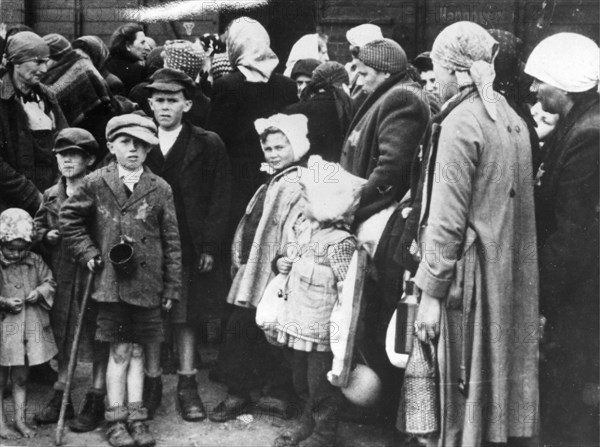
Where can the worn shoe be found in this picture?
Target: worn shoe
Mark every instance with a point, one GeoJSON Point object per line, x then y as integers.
{"type": "Point", "coordinates": [91, 413]}
{"type": "Point", "coordinates": [230, 408]}
{"type": "Point", "coordinates": [141, 434]}
{"type": "Point", "coordinates": [298, 433]}
{"type": "Point", "coordinates": [189, 403]}
{"type": "Point", "coordinates": [272, 406]}
{"type": "Point", "coordinates": [153, 389]}
{"type": "Point", "coordinates": [50, 413]}
{"type": "Point", "coordinates": [118, 436]}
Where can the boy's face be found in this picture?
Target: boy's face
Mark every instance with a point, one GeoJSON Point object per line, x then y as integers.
{"type": "Point", "coordinates": [15, 250]}
{"type": "Point", "coordinates": [278, 151]}
{"type": "Point", "coordinates": [168, 108]}
{"type": "Point", "coordinates": [73, 163]}
{"type": "Point", "coordinates": [130, 152]}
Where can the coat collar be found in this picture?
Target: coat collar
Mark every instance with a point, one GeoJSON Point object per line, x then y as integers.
{"type": "Point", "coordinates": [56, 196]}
{"type": "Point", "coordinates": [145, 186]}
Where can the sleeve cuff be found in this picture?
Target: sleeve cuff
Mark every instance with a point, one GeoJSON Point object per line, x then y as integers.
{"type": "Point", "coordinates": [430, 284]}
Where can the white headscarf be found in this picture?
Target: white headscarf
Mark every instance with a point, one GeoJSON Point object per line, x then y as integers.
{"type": "Point", "coordinates": [568, 61]}
{"type": "Point", "coordinates": [294, 127]}
{"type": "Point", "coordinates": [363, 34]}
{"type": "Point", "coordinates": [307, 47]}
{"type": "Point", "coordinates": [249, 49]}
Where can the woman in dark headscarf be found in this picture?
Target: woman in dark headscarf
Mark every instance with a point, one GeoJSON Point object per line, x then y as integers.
{"type": "Point", "coordinates": [97, 51]}
{"type": "Point", "coordinates": [328, 108]}
{"type": "Point", "coordinates": [81, 91]}
{"type": "Point", "coordinates": [29, 119]}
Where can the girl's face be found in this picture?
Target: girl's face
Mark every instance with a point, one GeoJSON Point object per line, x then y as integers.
{"type": "Point", "coordinates": [15, 250]}
{"type": "Point", "coordinates": [278, 151]}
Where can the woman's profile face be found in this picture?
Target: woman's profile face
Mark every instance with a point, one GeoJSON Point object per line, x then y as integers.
{"type": "Point", "coordinates": [31, 72]}
{"type": "Point", "coordinates": [446, 82]}
{"type": "Point", "coordinates": [140, 46]}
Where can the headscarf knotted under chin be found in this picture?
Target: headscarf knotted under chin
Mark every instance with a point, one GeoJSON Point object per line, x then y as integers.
{"type": "Point", "coordinates": [469, 50]}
{"type": "Point", "coordinates": [294, 127]}
{"type": "Point", "coordinates": [248, 47]}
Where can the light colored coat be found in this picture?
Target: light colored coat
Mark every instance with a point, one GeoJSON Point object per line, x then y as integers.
{"type": "Point", "coordinates": [479, 257]}
{"type": "Point", "coordinates": [27, 337]}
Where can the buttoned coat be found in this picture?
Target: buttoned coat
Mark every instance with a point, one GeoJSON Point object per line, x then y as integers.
{"type": "Point", "coordinates": [382, 140]}
{"type": "Point", "coordinates": [99, 214]}
{"type": "Point", "coordinates": [26, 336]}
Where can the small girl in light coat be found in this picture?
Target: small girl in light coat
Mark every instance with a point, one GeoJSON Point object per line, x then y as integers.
{"type": "Point", "coordinates": [316, 264]}
{"type": "Point", "coordinates": [26, 295]}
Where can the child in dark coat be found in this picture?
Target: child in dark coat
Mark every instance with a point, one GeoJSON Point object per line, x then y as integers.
{"type": "Point", "coordinates": [76, 150]}
{"type": "Point", "coordinates": [125, 204]}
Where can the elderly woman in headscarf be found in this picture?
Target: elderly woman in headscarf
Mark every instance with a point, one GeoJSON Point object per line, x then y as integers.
{"type": "Point", "coordinates": [565, 68]}
{"type": "Point", "coordinates": [95, 48]}
{"type": "Point", "coordinates": [478, 278]}
{"type": "Point", "coordinates": [309, 46]}
{"type": "Point", "coordinates": [29, 119]}
{"type": "Point", "coordinates": [252, 91]}
{"type": "Point", "coordinates": [328, 107]}
{"type": "Point", "coordinates": [81, 91]}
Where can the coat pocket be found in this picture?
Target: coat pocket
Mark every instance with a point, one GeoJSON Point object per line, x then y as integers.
{"type": "Point", "coordinates": [464, 269]}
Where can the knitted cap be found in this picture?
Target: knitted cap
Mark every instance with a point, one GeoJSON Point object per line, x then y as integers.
{"type": "Point", "coordinates": [15, 223]}
{"type": "Point", "coordinates": [26, 46]}
{"type": "Point", "coordinates": [384, 55]}
{"type": "Point", "coordinates": [184, 56]}
{"type": "Point", "coordinates": [59, 45]}
{"type": "Point", "coordinates": [133, 125]}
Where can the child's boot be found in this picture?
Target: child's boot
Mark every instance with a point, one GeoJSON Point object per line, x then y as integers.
{"type": "Point", "coordinates": [50, 413]}
{"type": "Point", "coordinates": [189, 403]}
{"type": "Point", "coordinates": [299, 431]}
{"type": "Point", "coordinates": [136, 422]}
{"type": "Point", "coordinates": [91, 413]}
{"type": "Point", "coordinates": [116, 430]}
{"type": "Point", "coordinates": [153, 388]}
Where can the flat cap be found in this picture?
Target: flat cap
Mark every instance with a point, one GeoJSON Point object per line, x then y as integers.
{"type": "Point", "coordinates": [170, 80]}
{"type": "Point", "coordinates": [75, 138]}
{"type": "Point", "coordinates": [133, 125]}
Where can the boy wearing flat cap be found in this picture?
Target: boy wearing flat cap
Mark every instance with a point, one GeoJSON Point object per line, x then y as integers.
{"type": "Point", "coordinates": [124, 205]}
{"type": "Point", "coordinates": [195, 164]}
{"type": "Point", "coordinates": [75, 150]}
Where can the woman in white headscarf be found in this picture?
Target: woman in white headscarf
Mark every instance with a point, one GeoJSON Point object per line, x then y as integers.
{"type": "Point", "coordinates": [478, 282]}
{"type": "Point", "coordinates": [565, 68]}
{"type": "Point", "coordinates": [309, 46]}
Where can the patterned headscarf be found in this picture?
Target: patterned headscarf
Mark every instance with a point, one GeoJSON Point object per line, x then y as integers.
{"type": "Point", "coordinates": [15, 223]}
{"type": "Point", "coordinates": [184, 56]}
{"type": "Point", "coordinates": [249, 50]}
{"type": "Point", "coordinates": [469, 50]}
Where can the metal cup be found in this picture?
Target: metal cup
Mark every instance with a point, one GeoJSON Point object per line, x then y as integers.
{"type": "Point", "coordinates": [121, 256]}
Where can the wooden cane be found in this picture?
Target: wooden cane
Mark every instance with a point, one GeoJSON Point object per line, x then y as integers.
{"type": "Point", "coordinates": [73, 359]}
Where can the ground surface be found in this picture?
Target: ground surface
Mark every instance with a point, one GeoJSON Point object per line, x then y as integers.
{"type": "Point", "coordinates": [170, 430]}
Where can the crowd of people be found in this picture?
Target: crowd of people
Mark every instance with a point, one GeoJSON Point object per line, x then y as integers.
{"type": "Point", "coordinates": [196, 186]}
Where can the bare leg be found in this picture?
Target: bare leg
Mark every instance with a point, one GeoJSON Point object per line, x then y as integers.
{"type": "Point", "coordinates": [186, 345]}
{"type": "Point", "coordinates": [63, 372]}
{"type": "Point", "coordinates": [116, 373]}
{"type": "Point", "coordinates": [99, 374]}
{"type": "Point", "coordinates": [135, 375]}
{"type": "Point", "coordinates": [19, 379]}
{"type": "Point", "coordinates": [152, 355]}
{"type": "Point", "coordinates": [5, 431]}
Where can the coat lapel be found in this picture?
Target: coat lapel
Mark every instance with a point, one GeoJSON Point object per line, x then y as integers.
{"type": "Point", "coordinates": [117, 187]}
{"type": "Point", "coordinates": [145, 186]}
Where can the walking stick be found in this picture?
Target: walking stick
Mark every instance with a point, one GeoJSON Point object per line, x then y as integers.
{"type": "Point", "coordinates": [73, 359]}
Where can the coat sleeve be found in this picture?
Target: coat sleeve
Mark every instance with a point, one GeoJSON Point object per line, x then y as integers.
{"type": "Point", "coordinates": [171, 248]}
{"type": "Point", "coordinates": [221, 107]}
{"type": "Point", "coordinates": [571, 251]}
{"type": "Point", "coordinates": [41, 221]}
{"type": "Point", "coordinates": [47, 284]}
{"type": "Point", "coordinates": [215, 224]}
{"type": "Point", "coordinates": [402, 122]}
{"type": "Point", "coordinates": [18, 189]}
{"type": "Point", "coordinates": [75, 216]}
{"type": "Point", "coordinates": [458, 152]}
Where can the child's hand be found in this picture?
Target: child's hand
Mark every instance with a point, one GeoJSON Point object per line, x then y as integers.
{"type": "Point", "coordinates": [33, 297]}
{"type": "Point", "coordinates": [205, 264]}
{"type": "Point", "coordinates": [52, 237]}
{"type": "Point", "coordinates": [95, 264]}
{"type": "Point", "coordinates": [12, 305]}
{"type": "Point", "coordinates": [167, 304]}
{"type": "Point", "coordinates": [284, 265]}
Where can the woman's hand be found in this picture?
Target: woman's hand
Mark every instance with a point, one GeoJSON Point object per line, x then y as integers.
{"type": "Point", "coordinates": [427, 323]}
{"type": "Point", "coordinates": [52, 237]}
{"type": "Point", "coordinates": [33, 297]}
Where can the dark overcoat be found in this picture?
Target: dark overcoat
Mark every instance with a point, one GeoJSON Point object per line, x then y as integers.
{"type": "Point", "coordinates": [382, 140]}
{"type": "Point", "coordinates": [99, 213]}
{"type": "Point", "coordinates": [24, 171]}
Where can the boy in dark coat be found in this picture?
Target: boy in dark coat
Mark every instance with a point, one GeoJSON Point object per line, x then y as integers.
{"type": "Point", "coordinates": [76, 151]}
{"type": "Point", "coordinates": [194, 162]}
{"type": "Point", "coordinates": [124, 203]}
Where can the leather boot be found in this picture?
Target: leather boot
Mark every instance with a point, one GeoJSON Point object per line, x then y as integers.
{"type": "Point", "coordinates": [189, 403]}
{"type": "Point", "coordinates": [91, 413]}
{"type": "Point", "coordinates": [153, 389]}
{"type": "Point", "coordinates": [230, 408]}
{"type": "Point", "coordinates": [51, 411]}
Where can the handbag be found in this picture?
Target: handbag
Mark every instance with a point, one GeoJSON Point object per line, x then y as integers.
{"type": "Point", "coordinates": [420, 392]}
